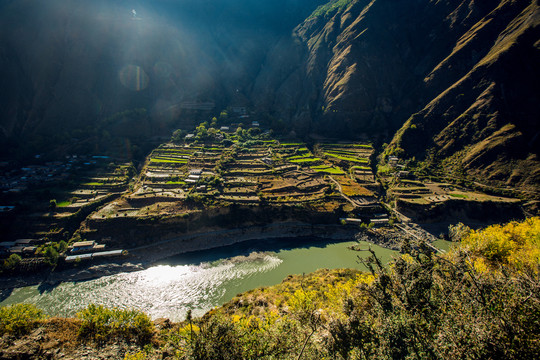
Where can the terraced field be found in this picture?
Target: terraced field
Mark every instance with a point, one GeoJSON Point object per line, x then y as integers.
{"type": "Point", "coordinates": [269, 171]}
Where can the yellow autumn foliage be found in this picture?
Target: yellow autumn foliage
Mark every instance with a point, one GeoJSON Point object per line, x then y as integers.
{"type": "Point", "coordinates": [516, 245]}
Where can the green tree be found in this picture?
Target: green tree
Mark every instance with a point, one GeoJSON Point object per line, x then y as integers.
{"type": "Point", "coordinates": [202, 133]}
{"type": "Point", "coordinates": [223, 115]}
{"type": "Point", "coordinates": [51, 255]}
{"type": "Point", "coordinates": [252, 132]}
{"type": "Point", "coordinates": [12, 261]}
{"type": "Point", "coordinates": [178, 136]}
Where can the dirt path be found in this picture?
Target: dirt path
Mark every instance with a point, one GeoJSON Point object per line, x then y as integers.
{"type": "Point", "coordinates": [340, 189]}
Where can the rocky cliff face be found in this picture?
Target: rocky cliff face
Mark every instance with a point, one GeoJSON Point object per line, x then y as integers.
{"type": "Point", "coordinates": [463, 72]}
{"type": "Point", "coordinates": [457, 79]}
{"type": "Point", "coordinates": [483, 121]}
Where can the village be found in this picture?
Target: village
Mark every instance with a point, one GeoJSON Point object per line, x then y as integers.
{"type": "Point", "coordinates": [44, 202]}
{"type": "Point", "coordinates": [208, 168]}
{"type": "Point", "coordinates": [212, 167]}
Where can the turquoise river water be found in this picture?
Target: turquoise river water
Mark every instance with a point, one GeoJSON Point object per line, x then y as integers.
{"type": "Point", "coordinates": [198, 281]}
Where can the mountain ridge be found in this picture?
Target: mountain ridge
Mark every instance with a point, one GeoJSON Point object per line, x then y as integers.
{"type": "Point", "coordinates": [369, 69]}
{"type": "Point", "coordinates": [451, 85]}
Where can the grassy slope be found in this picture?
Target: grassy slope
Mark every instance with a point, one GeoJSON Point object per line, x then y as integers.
{"type": "Point", "coordinates": [484, 124]}
{"type": "Point", "coordinates": [479, 300]}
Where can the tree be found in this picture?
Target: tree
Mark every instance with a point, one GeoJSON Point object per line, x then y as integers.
{"type": "Point", "coordinates": [223, 115]}
{"type": "Point", "coordinates": [178, 135]}
{"type": "Point", "coordinates": [202, 133]}
{"type": "Point", "coordinates": [51, 255]}
{"type": "Point", "coordinates": [212, 132]}
{"type": "Point", "coordinates": [12, 261]}
{"type": "Point", "coordinates": [252, 132]}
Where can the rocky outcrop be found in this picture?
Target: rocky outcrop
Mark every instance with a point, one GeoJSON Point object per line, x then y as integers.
{"type": "Point", "coordinates": [482, 122]}
{"type": "Point", "coordinates": [462, 72]}
{"type": "Point", "coordinates": [451, 209]}
{"type": "Point", "coordinates": [131, 232]}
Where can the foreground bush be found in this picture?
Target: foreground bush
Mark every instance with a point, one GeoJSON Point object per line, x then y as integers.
{"type": "Point", "coordinates": [101, 324]}
{"type": "Point", "coordinates": [515, 245]}
{"type": "Point", "coordinates": [19, 319]}
{"type": "Point", "coordinates": [422, 306]}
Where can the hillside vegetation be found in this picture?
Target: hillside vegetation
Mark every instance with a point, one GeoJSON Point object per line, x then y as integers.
{"type": "Point", "coordinates": [483, 124]}
{"type": "Point", "coordinates": [480, 300]}
{"type": "Point", "coordinates": [456, 80]}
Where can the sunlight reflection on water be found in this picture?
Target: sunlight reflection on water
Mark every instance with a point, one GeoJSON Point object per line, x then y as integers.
{"type": "Point", "coordinates": [198, 281]}
{"type": "Point", "coordinates": [161, 291]}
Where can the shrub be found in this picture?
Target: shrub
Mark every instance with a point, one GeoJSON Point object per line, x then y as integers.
{"type": "Point", "coordinates": [516, 244]}
{"type": "Point", "coordinates": [139, 355]}
{"type": "Point", "coordinates": [100, 323]}
{"type": "Point", "coordinates": [12, 261]}
{"type": "Point", "coordinates": [19, 319]}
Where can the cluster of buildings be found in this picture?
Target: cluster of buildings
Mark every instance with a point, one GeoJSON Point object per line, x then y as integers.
{"type": "Point", "coordinates": [20, 246]}
{"type": "Point", "coordinates": [87, 250]}
{"type": "Point", "coordinates": [194, 176]}
{"type": "Point", "coordinates": [78, 251]}
{"type": "Point", "coordinates": [393, 161]}
{"type": "Point", "coordinates": [17, 180]}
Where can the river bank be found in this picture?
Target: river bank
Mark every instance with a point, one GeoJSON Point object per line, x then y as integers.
{"type": "Point", "coordinates": [142, 257]}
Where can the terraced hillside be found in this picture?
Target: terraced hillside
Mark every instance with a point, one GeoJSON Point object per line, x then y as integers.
{"type": "Point", "coordinates": [266, 172]}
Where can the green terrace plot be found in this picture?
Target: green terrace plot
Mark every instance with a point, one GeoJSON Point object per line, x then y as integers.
{"type": "Point", "coordinates": [94, 183]}
{"type": "Point", "coordinates": [346, 158]}
{"type": "Point", "coordinates": [294, 157]}
{"type": "Point", "coordinates": [168, 160]}
{"type": "Point", "coordinates": [362, 168]}
{"type": "Point", "coordinates": [291, 144]}
{"type": "Point", "coordinates": [171, 156]}
{"type": "Point", "coordinates": [344, 152]}
{"type": "Point", "coordinates": [352, 153]}
{"type": "Point", "coordinates": [182, 151]}
{"type": "Point", "coordinates": [304, 160]}
{"type": "Point", "coordinates": [327, 170]}
{"type": "Point", "coordinates": [347, 145]}
{"type": "Point", "coordinates": [63, 203]}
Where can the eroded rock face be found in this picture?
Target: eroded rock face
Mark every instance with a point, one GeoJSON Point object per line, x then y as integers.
{"type": "Point", "coordinates": [57, 339]}
{"type": "Point", "coordinates": [462, 71]}
{"type": "Point", "coordinates": [485, 123]}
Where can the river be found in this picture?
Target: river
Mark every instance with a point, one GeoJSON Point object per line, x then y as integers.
{"type": "Point", "coordinates": [198, 281]}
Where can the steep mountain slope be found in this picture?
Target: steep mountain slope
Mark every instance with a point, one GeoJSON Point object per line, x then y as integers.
{"type": "Point", "coordinates": [469, 70]}
{"type": "Point", "coordinates": [462, 75]}
{"type": "Point", "coordinates": [485, 124]}
{"type": "Point", "coordinates": [66, 66]}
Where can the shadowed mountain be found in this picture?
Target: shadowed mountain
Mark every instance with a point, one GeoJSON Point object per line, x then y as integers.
{"type": "Point", "coordinates": [454, 82]}
{"type": "Point", "coordinates": [467, 70]}
{"type": "Point", "coordinates": [66, 67]}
